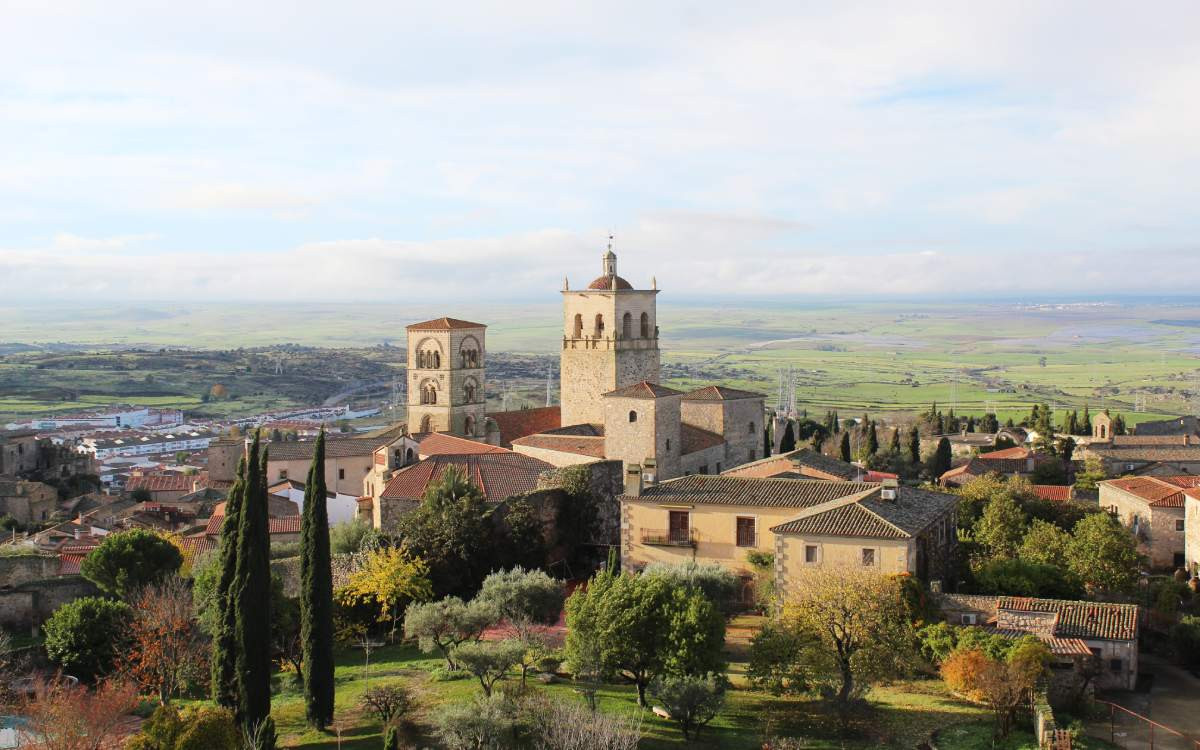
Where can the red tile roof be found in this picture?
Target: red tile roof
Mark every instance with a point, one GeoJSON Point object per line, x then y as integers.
{"type": "Point", "coordinates": [644, 389]}
{"type": "Point", "coordinates": [1184, 480]}
{"type": "Point", "coordinates": [521, 422]}
{"type": "Point", "coordinates": [68, 563]}
{"type": "Point", "coordinates": [498, 475]}
{"type": "Point", "coordinates": [199, 543]}
{"type": "Point", "coordinates": [1153, 490]}
{"type": "Point", "coordinates": [443, 444]}
{"type": "Point", "coordinates": [1017, 452]}
{"type": "Point", "coordinates": [1117, 622]}
{"type": "Point", "coordinates": [583, 445]}
{"type": "Point", "coordinates": [444, 324]}
{"type": "Point", "coordinates": [879, 476]}
{"type": "Point", "coordinates": [286, 525]}
{"type": "Point", "coordinates": [1057, 493]}
{"type": "Point", "coordinates": [606, 282]}
{"type": "Point", "coordinates": [719, 393]}
{"type": "Point", "coordinates": [161, 483]}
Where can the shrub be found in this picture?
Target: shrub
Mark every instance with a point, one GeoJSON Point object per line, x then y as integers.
{"type": "Point", "coordinates": [1185, 640]}
{"type": "Point", "coordinates": [209, 729]}
{"type": "Point", "coordinates": [387, 703]}
{"type": "Point", "coordinates": [691, 701]}
{"type": "Point", "coordinates": [85, 636]}
{"type": "Point", "coordinates": [481, 724]}
{"type": "Point", "coordinates": [562, 725]}
{"type": "Point", "coordinates": [489, 661]}
{"type": "Point", "coordinates": [128, 560]}
{"type": "Point", "coordinates": [717, 584]}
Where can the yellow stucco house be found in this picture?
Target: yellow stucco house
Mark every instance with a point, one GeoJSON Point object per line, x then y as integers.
{"type": "Point", "coordinates": [802, 522]}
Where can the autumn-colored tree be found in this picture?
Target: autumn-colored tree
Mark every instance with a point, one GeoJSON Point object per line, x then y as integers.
{"type": "Point", "coordinates": [389, 579]}
{"type": "Point", "coordinates": [961, 670]}
{"type": "Point", "coordinates": [61, 716]}
{"type": "Point", "coordinates": [168, 650]}
{"type": "Point", "coordinates": [1001, 682]}
{"type": "Point", "coordinates": [218, 392]}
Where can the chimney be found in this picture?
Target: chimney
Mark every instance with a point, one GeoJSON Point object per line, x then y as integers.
{"type": "Point", "coordinates": [633, 480]}
{"type": "Point", "coordinates": [78, 534]}
{"type": "Point", "coordinates": [650, 471]}
{"type": "Point", "coordinates": [890, 489]}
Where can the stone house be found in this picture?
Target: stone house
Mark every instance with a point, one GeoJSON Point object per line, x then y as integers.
{"type": "Point", "coordinates": [721, 519]}
{"type": "Point", "coordinates": [1073, 631]}
{"type": "Point", "coordinates": [348, 460]}
{"type": "Point", "coordinates": [1153, 455]}
{"type": "Point", "coordinates": [1153, 508]}
{"type": "Point", "coordinates": [27, 501]}
{"type": "Point", "coordinates": [162, 488]}
{"type": "Point", "coordinates": [18, 451]}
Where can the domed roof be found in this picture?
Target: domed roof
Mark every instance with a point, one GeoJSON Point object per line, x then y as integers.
{"type": "Point", "coordinates": [606, 282]}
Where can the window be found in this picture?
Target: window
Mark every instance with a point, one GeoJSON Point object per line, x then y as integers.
{"type": "Point", "coordinates": [745, 532]}
{"type": "Point", "coordinates": [599, 325]}
{"type": "Point", "coordinates": [282, 474]}
{"type": "Point", "coordinates": [1115, 665]}
{"type": "Point", "coordinates": [1180, 560]}
{"type": "Point", "coordinates": [969, 619]}
{"type": "Point", "coordinates": [469, 425]}
{"type": "Point", "coordinates": [750, 429]}
{"type": "Point", "coordinates": [1179, 524]}
{"type": "Point", "coordinates": [633, 416]}
{"type": "Point", "coordinates": [868, 557]}
{"type": "Point", "coordinates": [341, 473]}
{"type": "Point", "coordinates": [627, 326]}
{"type": "Point", "coordinates": [668, 444]}
{"type": "Point", "coordinates": [437, 360]}
{"type": "Point", "coordinates": [578, 326]}
{"type": "Point", "coordinates": [679, 527]}
{"type": "Point", "coordinates": [645, 326]}
{"type": "Point", "coordinates": [811, 554]}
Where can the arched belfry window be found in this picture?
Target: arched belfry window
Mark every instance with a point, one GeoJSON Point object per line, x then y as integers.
{"type": "Point", "coordinates": [426, 424]}
{"type": "Point", "coordinates": [469, 392]}
{"type": "Point", "coordinates": [469, 425]}
{"type": "Point", "coordinates": [632, 416]}
{"type": "Point", "coordinates": [437, 360]}
{"type": "Point", "coordinates": [627, 326]}
{"type": "Point", "coordinates": [645, 326]}
{"type": "Point", "coordinates": [578, 325]}
{"type": "Point", "coordinates": [599, 325]}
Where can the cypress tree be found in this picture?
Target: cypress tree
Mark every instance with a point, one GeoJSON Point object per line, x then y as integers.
{"type": "Point", "coordinates": [252, 599]}
{"type": "Point", "coordinates": [1086, 427]}
{"type": "Point", "coordinates": [914, 446]}
{"type": "Point", "coordinates": [872, 440]}
{"type": "Point", "coordinates": [316, 595]}
{"type": "Point", "coordinates": [845, 452]}
{"type": "Point", "coordinates": [788, 443]}
{"type": "Point", "coordinates": [941, 461]}
{"type": "Point", "coordinates": [766, 440]}
{"type": "Point", "coordinates": [224, 646]}
{"type": "Point", "coordinates": [895, 447]}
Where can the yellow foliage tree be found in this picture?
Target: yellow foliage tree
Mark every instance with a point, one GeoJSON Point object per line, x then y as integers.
{"type": "Point", "coordinates": [389, 578]}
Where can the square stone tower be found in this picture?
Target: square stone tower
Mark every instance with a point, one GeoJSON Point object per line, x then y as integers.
{"type": "Point", "coordinates": [642, 426]}
{"type": "Point", "coordinates": [610, 340]}
{"type": "Point", "coordinates": [446, 377]}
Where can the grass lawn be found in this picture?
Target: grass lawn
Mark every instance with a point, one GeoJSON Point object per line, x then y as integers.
{"type": "Point", "coordinates": [900, 715]}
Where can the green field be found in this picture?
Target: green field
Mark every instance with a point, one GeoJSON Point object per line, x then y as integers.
{"type": "Point", "coordinates": [1142, 360]}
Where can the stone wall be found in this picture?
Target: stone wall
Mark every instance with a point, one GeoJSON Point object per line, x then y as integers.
{"type": "Point", "coordinates": [17, 570]}
{"type": "Point", "coordinates": [743, 431]}
{"type": "Point", "coordinates": [32, 603]}
{"type": "Point", "coordinates": [1192, 534]}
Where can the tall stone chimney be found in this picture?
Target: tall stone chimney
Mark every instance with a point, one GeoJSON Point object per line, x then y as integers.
{"type": "Point", "coordinates": [633, 480]}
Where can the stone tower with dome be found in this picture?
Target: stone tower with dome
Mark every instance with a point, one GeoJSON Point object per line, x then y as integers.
{"type": "Point", "coordinates": [610, 341]}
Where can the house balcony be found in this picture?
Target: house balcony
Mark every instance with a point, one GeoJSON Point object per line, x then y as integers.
{"type": "Point", "coordinates": [668, 537]}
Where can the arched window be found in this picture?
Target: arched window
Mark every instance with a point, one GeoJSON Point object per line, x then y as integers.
{"type": "Point", "coordinates": [437, 360]}
{"type": "Point", "coordinates": [645, 326]}
{"type": "Point", "coordinates": [627, 326]}
{"type": "Point", "coordinates": [599, 325]}
{"type": "Point", "coordinates": [469, 425]}
{"type": "Point", "coordinates": [578, 326]}
{"type": "Point", "coordinates": [420, 360]}
{"type": "Point", "coordinates": [469, 392]}
{"type": "Point", "coordinates": [633, 416]}
{"type": "Point", "coordinates": [408, 454]}
{"type": "Point", "coordinates": [426, 424]}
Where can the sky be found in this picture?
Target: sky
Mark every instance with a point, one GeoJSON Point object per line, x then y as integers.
{"type": "Point", "coordinates": [385, 151]}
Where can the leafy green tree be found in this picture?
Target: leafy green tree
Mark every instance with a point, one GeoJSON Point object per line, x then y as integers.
{"type": "Point", "coordinates": [316, 595]}
{"type": "Point", "coordinates": [525, 599]}
{"type": "Point", "coordinates": [445, 624]}
{"type": "Point", "coordinates": [844, 447]}
{"type": "Point", "coordinates": [128, 560]}
{"type": "Point", "coordinates": [1018, 577]}
{"type": "Point", "coordinates": [1103, 554]}
{"type": "Point", "coordinates": [914, 446]}
{"type": "Point", "coordinates": [489, 661]}
{"type": "Point", "coordinates": [449, 530]}
{"type": "Point", "coordinates": [485, 723]}
{"type": "Point", "coordinates": [386, 582]}
{"type": "Point", "coordinates": [223, 626]}
{"type": "Point", "coordinates": [1185, 640]}
{"type": "Point", "coordinates": [1046, 544]}
{"type": "Point", "coordinates": [351, 536]}
{"type": "Point", "coordinates": [86, 636]}
{"type": "Point", "coordinates": [640, 627]}
{"type": "Point", "coordinates": [690, 700]}
{"type": "Point", "coordinates": [1001, 527]}
{"type": "Point", "coordinates": [251, 599]}
{"type": "Point", "coordinates": [1093, 473]}
{"type": "Point", "coordinates": [522, 540]}
{"type": "Point", "coordinates": [714, 580]}
{"type": "Point", "coordinates": [942, 458]}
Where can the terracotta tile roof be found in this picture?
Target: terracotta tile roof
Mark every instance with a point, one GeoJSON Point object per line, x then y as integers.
{"type": "Point", "coordinates": [1058, 646]}
{"type": "Point", "coordinates": [879, 476]}
{"type": "Point", "coordinates": [1097, 620]}
{"type": "Point", "coordinates": [644, 389]}
{"type": "Point", "coordinates": [583, 445]}
{"type": "Point", "coordinates": [606, 282]}
{"type": "Point", "coordinates": [707, 489]}
{"type": "Point", "coordinates": [719, 393]}
{"type": "Point", "coordinates": [521, 422]}
{"type": "Point", "coordinates": [1149, 453]}
{"type": "Point", "coordinates": [849, 520]}
{"type": "Point", "coordinates": [68, 563]}
{"type": "Point", "coordinates": [1153, 490]}
{"type": "Point", "coordinates": [335, 447]}
{"type": "Point", "coordinates": [1057, 493]}
{"type": "Point", "coordinates": [1131, 441]}
{"type": "Point", "coordinates": [200, 543]}
{"type": "Point", "coordinates": [825, 464]}
{"type": "Point", "coordinates": [1183, 480]}
{"type": "Point", "coordinates": [1017, 452]}
{"type": "Point", "coordinates": [498, 475]}
{"type": "Point", "coordinates": [695, 439]}
{"type": "Point", "coordinates": [285, 525]}
{"type": "Point", "coordinates": [161, 483]}
{"type": "Point", "coordinates": [443, 444]}
{"type": "Point", "coordinates": [443, 324]}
